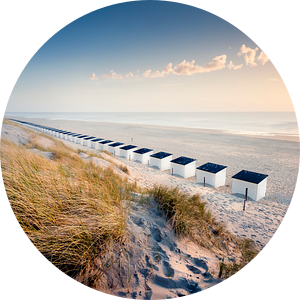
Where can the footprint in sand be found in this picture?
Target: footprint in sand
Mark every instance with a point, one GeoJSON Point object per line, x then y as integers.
{"type": "Point", "coordinates": [156, 234]}
{"type": "Point", "coordinates": [168, 270]}
{"type": "Point", "coordinates": [194, 269]}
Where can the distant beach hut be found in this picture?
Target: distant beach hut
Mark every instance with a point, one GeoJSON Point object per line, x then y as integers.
{"type": "Point", "coordinates": [67, 135]}
{"type": "Point", "coordinates": [183, 166]}
{"type": "Point", "coordinates": [63, 134]}
{"type": "Point", "coordinates": [161, 160]}
{"type": "Point", "coordinates": [103, 145]}
{"type": "Point", "coordinates": [142, 155]}
{"type": "Point", "coordinates": [94, 142]}
{"type": "Point", "coordinates": [56, 134]}
{"type": "Point", "coordinates": [114, 148]}
{"type": "Point", "coordinates": [86, 140]}
{"type": "Point", "coordinates": [74, 136]}
{"type": "Point", "coordinates": [127, 151]}
{"type": "Point", "coordinates": [212, 174]}
{"type": "Point", "coordinates": [79, 138]}
{"type": "Point", "coordinates": [255, 182]}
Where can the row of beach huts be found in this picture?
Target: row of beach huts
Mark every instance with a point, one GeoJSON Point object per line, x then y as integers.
{"type": "Point", "coordinates": [245, 182]}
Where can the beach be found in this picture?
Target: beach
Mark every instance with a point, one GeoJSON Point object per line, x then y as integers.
{"type": "Point", "coordinates": [276, 158]}
{"type": "Point", "coordinates": [162, 265]}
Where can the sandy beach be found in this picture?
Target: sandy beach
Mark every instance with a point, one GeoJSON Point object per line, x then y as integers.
{"type": "Point", "coordinates": [278, 158]}
{"type": "Point", "coordinates": [160, 264]}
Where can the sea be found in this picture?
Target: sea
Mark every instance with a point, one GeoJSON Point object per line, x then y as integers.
{"type": "Point", "coordinates": [245, 123]}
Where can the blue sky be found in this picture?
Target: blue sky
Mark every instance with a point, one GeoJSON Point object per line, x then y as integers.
{"type": "Point", "coordinates": [149, 56]}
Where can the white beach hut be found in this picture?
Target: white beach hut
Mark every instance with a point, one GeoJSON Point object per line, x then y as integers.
{"type": "Point", "coordinates": [114, 148]}
{"type": "Point", "coordinates": [55, 132]}
{"type": "Point", "coordinates": [256, 184]}
{"type": "Point", "coordinates": [79, 139]}
{"type": "Point", "coordinates": [62, 134]}
{"type": "Point", "coordinates": [73, 137]}
{"type": "Point", "coordinates": [67, 135]}
{"type": "Point", "coordinates": [94, 142]}
{"type": "Point", "coordinates": [142, 155]}
{"type": "Point", "coordinates": [127, 151]}
{"type": "Point", "coordinates": [161, 160]}
{"type": "Point", "coordinates": [86, 140]}
{"type": "Point", "coordinates": [103, 145]}
{"type": "Point", "coordinates": [212, 174]}
{"type": "Point", "coordinates": [183, 166]}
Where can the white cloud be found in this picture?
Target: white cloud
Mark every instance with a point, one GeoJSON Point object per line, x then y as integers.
{"type": "Point", "coordinates": [263, 58]}
{"type": "Point", "coordinates": [234, 67]}
{"type": "Point", "coordinates": [189, 68]}
{"type": "Point", "coordinates": [186, 68]}
{"type": "Point", "coordinates": [157, 74]}
{"type": "Point", "coordinates": [218, 63]}
{"type": "Point", "coordinates": [167, 69]}
{"type": "Point", "coordinates": [129, 75]}
{"type": "Point", "coordinates": [249, 55]}
{"type": "Point", "coordinates": [112, 75]}
{"type": "Point", "coordinates": [93, 77]}
{"type": "Point", "coordinates": [147, 73]}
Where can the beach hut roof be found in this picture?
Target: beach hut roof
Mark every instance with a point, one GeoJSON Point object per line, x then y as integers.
{"type": "Point", "coordinates": [116, 144]}
{"type": "Point", "coordinates": [250, 176]}
{"type": "Point", "coordinates": [212, 168]}
{"type": "Point", "coordinates": [142, 150]}
{"type": "Point", "coordinates": [82, 136]}
{"type": "Point", "coordinates": [97, 140]}
{"type": "Point", "coordinates": [89, 138]}
{"type": "Point", "coordinates": [160, 155]}
{"type": "Point", "coordinates": [106, 142]}
{"type": "Point", "coordinates": [128, 147]}
{"type": "Point", "coordinates": [182, 160]}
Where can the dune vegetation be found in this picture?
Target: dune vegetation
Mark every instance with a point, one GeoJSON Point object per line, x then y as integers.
{"type": "Point", "coordinates": [71, 210]}
{"type": "Point", "coordinates": [190, 218]}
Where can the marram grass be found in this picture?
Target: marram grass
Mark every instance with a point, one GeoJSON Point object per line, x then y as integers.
{"type": "Point", "coordinates": [71, 210]}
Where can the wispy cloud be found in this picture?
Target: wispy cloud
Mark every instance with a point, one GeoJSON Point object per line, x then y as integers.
{"type": "Point", "coordinates": [93, 77]}
{"type": "Point", "coordinates": [147, 73]}
{"type": "Point", "coordinates": [188, 68]}
{"type": "Point", "coordinates": [112, 75]}
{"type": "Point", "coordinates": [129, 75]}
{"type": "Point", "coordinates": [234, 67]}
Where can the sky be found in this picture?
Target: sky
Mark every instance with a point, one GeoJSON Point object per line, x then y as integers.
{"type": "Point", "coordinates": [149, 56]}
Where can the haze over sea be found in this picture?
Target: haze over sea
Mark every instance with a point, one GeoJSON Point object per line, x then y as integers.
{"type": "Point", "coordinates": [249, 123]}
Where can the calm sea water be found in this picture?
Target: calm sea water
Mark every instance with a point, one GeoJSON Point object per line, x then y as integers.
{"type": "Point", "coordinates": [262, 123]}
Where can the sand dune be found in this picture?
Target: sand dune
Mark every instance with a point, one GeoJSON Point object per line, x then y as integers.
{"type": "Point", "coordinates": [157, 264]}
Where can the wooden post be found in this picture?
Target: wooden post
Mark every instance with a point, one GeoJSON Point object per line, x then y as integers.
{"type": "Point", "coordinates": [246, 198]}
{"type": "Point", "coordinates": [204, 181]}
{"type": "Point", "coordinates": [172, 171]}
{"type": "Point", "coordinates": [129, 156]}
